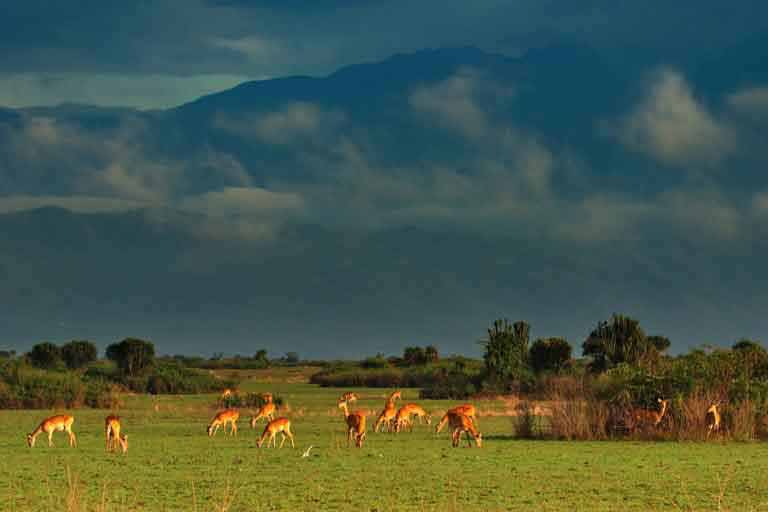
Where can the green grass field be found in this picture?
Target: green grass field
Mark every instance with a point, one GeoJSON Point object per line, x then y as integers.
{"type": "Point", "coordinates": [172, 464]}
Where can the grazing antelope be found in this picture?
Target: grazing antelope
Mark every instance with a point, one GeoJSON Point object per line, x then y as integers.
{"type": "Point", "coordinates": [279, 426]}
{"type": "Point", "coordinates": [459, 424]}
{"type": "Point", "coordinates": [113, 435]}
{"type": "Point", "coordinates": [713, 420]}
{"type": "Point", "coordinates": [647, 417]}
{"type": "Point", "coordinates": [227, 416]}
{"type": "Point", "coordinates": [355, 425]}
{"type": "Point", "coordinates": [467, 410]}
{"type": "Point", "coordinates": [349, 397]}
{"type": "Point", "coordinates": [404, 414]}
{"type": "Point", "coordinates": [227, 393]}
{"type": "Point", "coordinates": [62, 423]}
{"type": "Point", "coordinates": [267, 411]}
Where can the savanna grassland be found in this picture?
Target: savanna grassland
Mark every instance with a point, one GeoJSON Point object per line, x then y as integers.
{"type": "Point", "coordinates": [173, 465]}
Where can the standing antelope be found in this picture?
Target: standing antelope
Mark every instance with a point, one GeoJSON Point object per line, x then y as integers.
{"type": "Point", "coordinates": [387, 416]}
{"type": "Point", "coordinates": [713, 420]}
{"type": "Point", "coordinates": [227, 416]}
{"type": "Point", "coordinates": [355, 425]}
{"type": "Point", "coordinates": [113, 435]}
{"type": "Point", "coordinates": [404, 414]}
{"type": "Point", "coordinates": [267, 411]}
{"type": "Point", "coordinates": [274, 427]}
{"type": "Point", "coordinates": [459, 424]}
{"type": "Point", "coordinates": [467, 410]}
{"type": "Point", "coordinates": [643, 417]}
{"type": "Point", "coordinates": [62, 423]}
{"type": "Point", "coordinates": [349, 397]}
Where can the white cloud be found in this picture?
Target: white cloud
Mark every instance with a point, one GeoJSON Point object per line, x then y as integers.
{"type": "Point", "coordinates": [295, 123]}
{"type": "Point", "coordinates": [752, 102]}
{"type": "Point", "coordinates": [80, 204]}
{"type": "Point", "coordinates": [243, 201]}
{"type": "Point", "coordinates": [673, 127]}
{"type": "Point", "coordinates": [153, 91]}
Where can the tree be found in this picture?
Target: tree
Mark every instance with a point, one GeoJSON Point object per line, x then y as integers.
{"type": "Point", "coordinates": [414, 356]}
{"type": "Point", "coordinates": [292, 357]}
{"type": "Point", "coordinates": [430, 354]}
{"type": "Point", "coordinates": [621, 340]}
{"type": "Point", "coordinates": [45, 355]}
{"type": "Point", "coordinates": [550, 354]}
{"type": "Point", "coordinates": [261, 355]}
{"type": "Point", "coordinates": [506, 350]}
{"type": "Point", "coordinates": [77, 354]}
{"type": "Point", "coordinates": [132, 355]}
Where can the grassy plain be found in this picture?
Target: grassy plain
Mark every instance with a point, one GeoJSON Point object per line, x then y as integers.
{"type": "Point", "coordinates": [172, 465]}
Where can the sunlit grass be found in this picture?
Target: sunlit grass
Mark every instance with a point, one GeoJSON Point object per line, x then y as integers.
{"type": "Point", "coordinates": [172, 465]}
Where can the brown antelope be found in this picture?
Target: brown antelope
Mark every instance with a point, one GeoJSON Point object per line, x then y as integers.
{"type": "Point", "coordinates": [349, 397]}
{"type": "Point", "coordinates": [404, 414]}
{"type": "Point", "coordinates": [222, 418]}
{"type": "Point", "coordinates": [647, 417]}
{"type": "Point", "coordinates": [62, 423]}
{"type": "Point", "coordinates": [267, 411]}
{"type": "Point", "coordinates": [713, 420]}
{"type": "Point", "coordinates": [467, 410]}
{"type": "Point", "coordinates": [113, 435]}
{"type": "Point", "coordinates": [227, 393]}
{"type": "Point", "coordinates": [274, 427]}
{"type": "Point", "coordinates": [355, 425]}
{"type": "Point", "coordinates": [387, 416]}
{"type": "Point", "coordinates": [459, 424]}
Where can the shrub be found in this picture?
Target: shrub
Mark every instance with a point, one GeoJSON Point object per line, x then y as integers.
{"type": "Point", "coordinates": [77, 354]}
{"type": "Point", "coordinates": [45, 355]}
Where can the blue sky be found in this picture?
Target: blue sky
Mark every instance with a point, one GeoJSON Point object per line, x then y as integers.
{"type": "Point", "coordinates": [429, 167]}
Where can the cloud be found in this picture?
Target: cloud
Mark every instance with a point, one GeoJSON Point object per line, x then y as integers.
{"type": "Point", "coordinates": [671, 126]}
{"type": "Point", "coordinates": [144, 91]}
{"type": "Point", "coordinates": [243, 201]}
{"type": "Point", "coordinates": [296, 122]}
{"type": "Point", "coordinates": [752, 102]}
{"type": "Point", "coordinates": [79, 204]}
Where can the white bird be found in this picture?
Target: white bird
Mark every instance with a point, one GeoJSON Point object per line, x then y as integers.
{"type": "Point", "coordinates": [306, 452]}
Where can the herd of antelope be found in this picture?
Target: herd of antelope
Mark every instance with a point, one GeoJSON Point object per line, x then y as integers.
{"type": "Point", "coordinates": [461, 419]}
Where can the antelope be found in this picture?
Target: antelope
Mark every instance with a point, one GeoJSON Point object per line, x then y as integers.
{"type": "Point", "coordinates": [712, 419]}
{"type": "Point", "coordinates": [279, 426]}
{"type": "Point", "coordinates": [355, 425]}
{"type": "Point", "coordinates": [467, 410]}
{"type": "Point", "coordinates": [227, 393]}
{"type": "Point", "coordinates": [62, 423]}
{"type": "Point", "coordinates": [222, 418]}
{"type": "Point", "coordinates": [387, 416]}
{"type": "Point", "coordinates": [643, 417]}
{"type": "Point", "coordinates": [113, 435]}
{"type": "Point", "coordinates": [267, 411]}
{"type": "Point", "coordinates": [459, 424]}
{"type": "Point", "coordinates": [403, 416]}
{"type": "Point", "coordinates": [348, 397]}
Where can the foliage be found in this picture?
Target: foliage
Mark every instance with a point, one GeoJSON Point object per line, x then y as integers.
{"type": "Point", "coordinates": [621, 340]}
{"type": "Point", "coordinates": [551, 354]}
{"type": "Point", "coordinates": [133, 356]}
{"type": "Point", "coordinates": [414, 356]}
{"type": "Point", "coordinates": [45, 355]}
{"type": "Point", "coordinates": [77, 354]}
{"type": "Point", "coordinates": [506, 352]}
{"type": "Point", "coordinates": [377, 361]}
{"type": "Point", "coordinates": [292, 358]}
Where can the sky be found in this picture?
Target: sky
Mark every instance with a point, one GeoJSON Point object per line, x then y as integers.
{"type": "Point", "coordinates": [429, 167]}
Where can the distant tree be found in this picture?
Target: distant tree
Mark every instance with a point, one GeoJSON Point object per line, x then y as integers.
{"type": "Point", "coordinates": [506, 350]}
{"type": "Point", "coordinates": [261, 355]}
{"type": "Point", "coordinates": [132, 355]}
{"type": "Point", "coordinates": [551, 354]}
{"type": "Point", "coordinates": [45, 355]}
{"type": "Point", "coordinates": [621, 340]}
{"type": "Point", "coordinates": [77, 354]}
{"type": "Point", "coordinates": [430, 354]}
{"type": "Point", "coordinates": [751, 358]}
{"type": "Point", "coordinates": [292, 357]}
{"type": "Point", "coordinates": [414, 356]}
{"type": "Point", "coordinates": [7, 354]}
{"type": "Point", "coordinates": [377, 361]}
